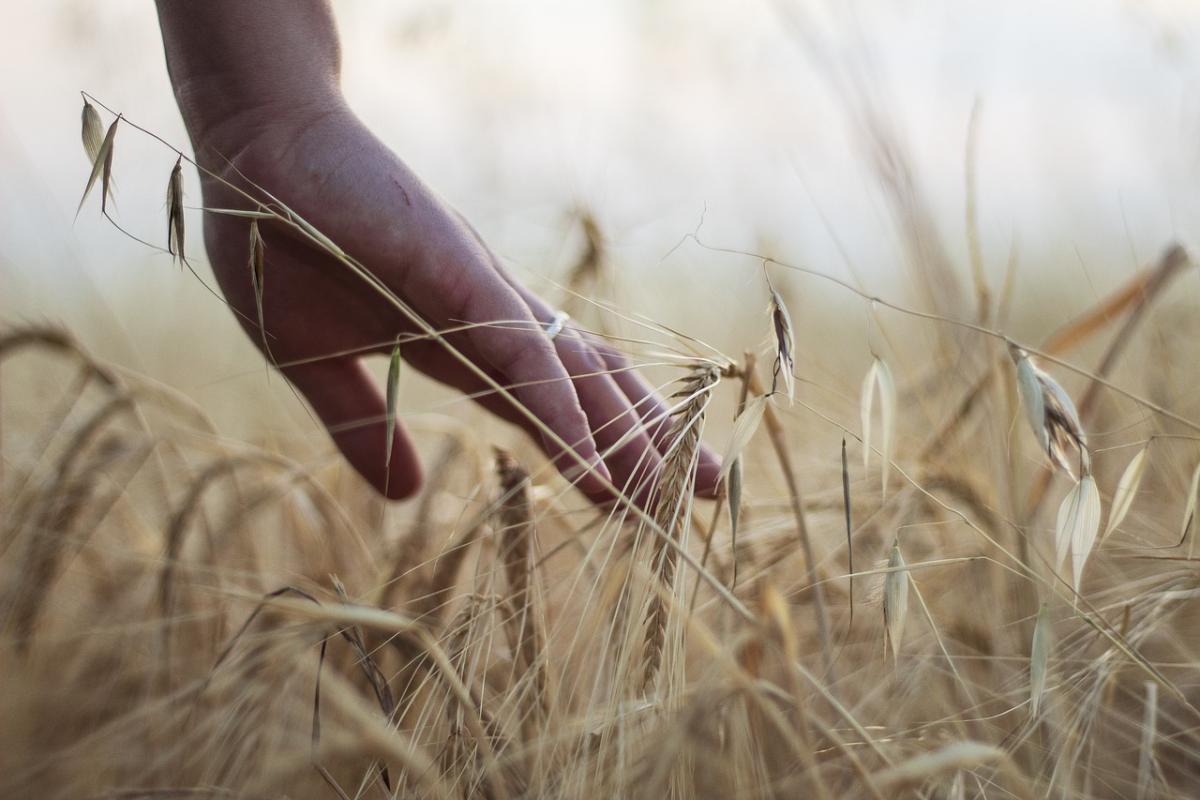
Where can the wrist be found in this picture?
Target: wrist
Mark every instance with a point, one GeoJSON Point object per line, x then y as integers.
{"type": "Point", "coordinates": [222, 130]}
{"type": "Point", "coordinates": [240, 67]}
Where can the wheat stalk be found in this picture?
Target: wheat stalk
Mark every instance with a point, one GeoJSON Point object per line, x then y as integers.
{"type": "Point", "coordinates": [671, 495]}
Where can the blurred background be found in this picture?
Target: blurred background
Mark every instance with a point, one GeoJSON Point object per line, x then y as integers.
{"type": "Point", "coordinates": [645, 116]}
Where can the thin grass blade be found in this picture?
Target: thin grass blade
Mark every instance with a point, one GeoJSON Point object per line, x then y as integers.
{"type": "Point", "coordinates": [1189, 511]}
{"type": "Point", "coordinates": [849, 530]}
{"type": "Point", "coordinates": [1145, 784]}
{"type": "Point", "coordinates": [393, 384]}
{"type": "Point", "coordinates": [241, 212]}
{"type": "Point", "coordinates": [1039, 659]}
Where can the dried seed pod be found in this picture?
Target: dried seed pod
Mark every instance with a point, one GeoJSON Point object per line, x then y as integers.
{"type": "Point", "coordinates": [1127, 488]}
{"type": "Point", "coordinates": [895, 599]}
{"type": "Point", "coordinates": [1077, 525]}
{"type": "Point", "coordinates": [785, 346]}
{"type": "Point", "coordinates": [102, 168]}
{"type": "Point", "coordinates": [1052, 415]}
{"type": "Point", "coordinates": [1039, 659]}
{"type": "Point", "coordinates": [175, 211]}
{"type": "Point", "coordinates": [92, 132]}
{"type": "Point", "coordinates": [879, 376]}
{"type": "Point", "coordinates": [744, 428]}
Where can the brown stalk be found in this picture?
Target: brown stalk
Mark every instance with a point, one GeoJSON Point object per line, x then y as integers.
{"type": "Point", "coordinates": [778, 441]}
{"type": "Point", "coordinates": [517, 541]}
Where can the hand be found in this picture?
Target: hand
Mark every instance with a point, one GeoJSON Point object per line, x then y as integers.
{"type": "Point", "coordinates": [320, 317]}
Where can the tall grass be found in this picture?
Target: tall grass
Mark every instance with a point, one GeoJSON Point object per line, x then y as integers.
{"type": "Point", "coordinates": [190, 616]}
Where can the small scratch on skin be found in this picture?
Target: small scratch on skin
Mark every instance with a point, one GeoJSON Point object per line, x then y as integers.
{"type": "Point", "coordinates": [403, 191]}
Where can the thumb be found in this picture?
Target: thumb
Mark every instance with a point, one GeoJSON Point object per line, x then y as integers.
{"type": "Point", "coordinates": [352, 409]}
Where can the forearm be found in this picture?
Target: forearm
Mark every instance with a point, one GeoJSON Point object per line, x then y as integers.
{"type": "Point", "coordinates": [256, 61]}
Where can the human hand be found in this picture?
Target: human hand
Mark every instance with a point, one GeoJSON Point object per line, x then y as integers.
{"type": "Point", "coordinates": [320, 317]}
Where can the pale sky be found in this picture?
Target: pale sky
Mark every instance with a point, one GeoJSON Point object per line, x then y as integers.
{"type": "Point", "coordinates": [648, 112]}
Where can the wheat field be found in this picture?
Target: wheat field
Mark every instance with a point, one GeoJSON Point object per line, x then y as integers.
{"type": "Point", "coordinates": [953, 557]}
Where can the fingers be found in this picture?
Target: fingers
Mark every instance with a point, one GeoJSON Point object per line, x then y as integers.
{"type": "Point", "coordinates": [656, 415]}
{"type": "Point", "coordinates": [625, 397]}
{"type": "Point", "coordinates": [617, 427]}
{"type": "Point", "coordinates": [517, 350]}
{"type": "Point", "coordinates": [623, 441]}
{"type": "Point", "coordinates": [352, 409]}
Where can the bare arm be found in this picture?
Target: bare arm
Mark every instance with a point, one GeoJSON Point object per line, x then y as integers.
{"type": "Point", "coordinates": [233, 59]}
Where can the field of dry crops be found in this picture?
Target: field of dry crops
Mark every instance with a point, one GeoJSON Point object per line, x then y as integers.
{"type": "Point", "coordinates": [965, 571]}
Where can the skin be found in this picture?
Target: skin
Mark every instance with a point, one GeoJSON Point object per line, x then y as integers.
{"type": "Point", "coordinates": [258, 86]}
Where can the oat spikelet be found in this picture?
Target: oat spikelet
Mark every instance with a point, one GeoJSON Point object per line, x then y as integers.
{"type": "Point", "coordinates": [1052, 415]}
{"type": "Point", "coordinates": [744, 428]}
{"type": "Point", "coordinates": [785, 346]}
{"type": "Point", "coordinates": [669, 504]}
{"type": "Point", "coordinates": [517, 540]}
{"type": "Point", "coordinates": [1127, 488]}
{"type": "Point", "coordinates": [93, 134]}
{"type": "Point", "coordinates": [879, 376]}
{"type": "Point", "coordinates": [393, 391]}
{"type": "Point", "coordinates": [895, 599]}
{"type": "Point", "coordinates": [175, 211]}
{"type": "Point", "coordinates": [1077, 525]}
{"type": "Point", "coordinates": [102, 169]}
{"type": "Point", "coordinates": [1039, 659]}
